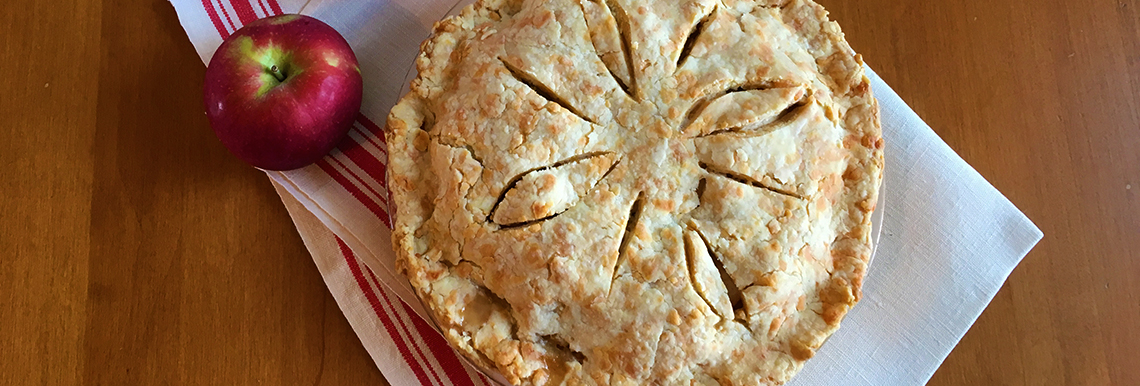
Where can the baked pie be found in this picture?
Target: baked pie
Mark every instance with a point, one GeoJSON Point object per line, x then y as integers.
{"type": "Point", "coordinates": [636, 192]}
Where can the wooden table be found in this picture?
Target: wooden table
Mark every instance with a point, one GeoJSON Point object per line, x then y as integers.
{"type": "Point", "coordinates": [136, 250]}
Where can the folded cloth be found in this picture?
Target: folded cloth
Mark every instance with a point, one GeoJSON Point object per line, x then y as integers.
{"type": "Point", "coordinates": [949, 238]}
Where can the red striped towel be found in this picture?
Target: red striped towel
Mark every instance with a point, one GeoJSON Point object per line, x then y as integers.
{"type": "Point", "coordinates": [406, 348]}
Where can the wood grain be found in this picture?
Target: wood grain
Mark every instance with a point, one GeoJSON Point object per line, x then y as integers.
{"type": "Point", "coordinates": [137, 251]}
{"type": "Point", "coordinates": [1043, 99]}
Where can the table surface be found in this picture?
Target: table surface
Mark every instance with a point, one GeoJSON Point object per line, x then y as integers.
{"type": "Point", "coordinates": [136, 250]}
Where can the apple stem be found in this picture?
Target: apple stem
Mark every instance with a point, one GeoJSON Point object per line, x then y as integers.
{"type": "Point", "coordinates": [277, 73]}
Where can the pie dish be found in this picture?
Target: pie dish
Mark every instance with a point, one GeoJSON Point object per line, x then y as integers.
{"type": "Point", "coordinates": [620, 192]}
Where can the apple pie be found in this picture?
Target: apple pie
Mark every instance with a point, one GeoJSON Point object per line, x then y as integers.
{"type": "Point", "coordinates": [636, 192]}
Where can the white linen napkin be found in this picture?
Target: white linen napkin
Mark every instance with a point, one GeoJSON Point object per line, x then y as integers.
{"type": "Point", "coordinates": [949, 239]}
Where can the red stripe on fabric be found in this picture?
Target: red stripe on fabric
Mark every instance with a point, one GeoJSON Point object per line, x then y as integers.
{"type": "Point", "coordinates": [244, 11]}
{"type": "Point", "coordinates": [380, 144]}
{"type": "Point", "coordinates": [371, 126]}
{"type": "Point", "coordinates": [442, 351]}
{"type": "Point", "coordinates": [368, 162]}
{"type": "Point", "coordinates": [438, 347]}
{"type": "Point", "coordinates": [382, 213]}
{"type": "Point", "coordinates": [407, 330]}
{"type": "Point", "coordinates": [379, 169]}
{"type": "Point", "coordinates": [355, 178]}
{"type": "Point", "coordinates": [401, 345]}
{"type": "Point", "coordinates": [354, 190]}
{"type": "Point", "coordinates": [265, 11]}
{"type": "Point", "coordinates": [209, 6]}
{"type": "Point", "coordinates": [383, 198]}
{"type": "Point", "coordinates": [227, 14]}
{"type": "Point", "coordinates": [276, 7]}
{"type": "Point", "coordinates": [381, 159]}
{"type": "Point", "coordinates": [377, 133]}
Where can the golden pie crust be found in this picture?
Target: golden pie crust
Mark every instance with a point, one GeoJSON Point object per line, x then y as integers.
{"type": "Point", "coordinates": [636, 192]}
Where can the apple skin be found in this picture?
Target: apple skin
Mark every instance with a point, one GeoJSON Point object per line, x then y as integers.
{"type": "Point", "coordinates": [281, 92]}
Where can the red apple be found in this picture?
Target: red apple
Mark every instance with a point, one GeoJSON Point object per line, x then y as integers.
{"type": "Point", "coordinates": [281, 92]}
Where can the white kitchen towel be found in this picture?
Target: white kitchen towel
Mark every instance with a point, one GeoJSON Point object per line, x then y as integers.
{"type": "Point", "coordinates": [949, 239]}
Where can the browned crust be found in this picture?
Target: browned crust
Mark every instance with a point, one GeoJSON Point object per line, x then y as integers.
{"type": "Point", "coordinates": [436, 260]}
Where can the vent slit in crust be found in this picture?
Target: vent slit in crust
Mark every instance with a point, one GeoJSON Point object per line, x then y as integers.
{"type": "Point", "coordinates": [610, 41]}
{"type": "Point", "coordinates": [703, 102]}
{"type": "Point", "coordinates": [560, 343]}
{"type": "Point", "coordinates": [788, 114]}
{"type": "Point", "coordinates": [701, 185]}
{"type": "Point", "coordinates": [695, 257]}
{"type": "Point", "coordinates": [630, 226]}
{"type": "Point", "coordinates": [744, 179]}
{"type": "Point", "coordinates": [624, 32]}
{"type": "Point", "coordinates": [735, 297]}
{"type": "Point", "coordinates": [550, 186]}
{"type": "Point", "coordinates": [687, 49]}
{"type": "Point", "coordinates": [542, 90]}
